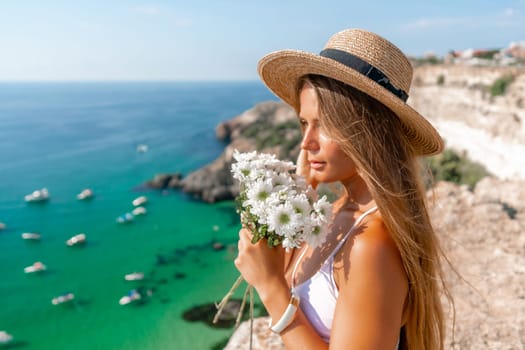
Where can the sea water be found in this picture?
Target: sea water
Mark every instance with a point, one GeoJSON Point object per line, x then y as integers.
{"type": "Point", "coordinates": [71, 136]}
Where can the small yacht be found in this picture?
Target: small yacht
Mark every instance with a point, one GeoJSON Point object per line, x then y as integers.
{"type": "Point", "coordinates": [142, 148]}
{"type": "Point", "coordinates": [76, 239]}
{"type": "Point", "coordinates": [129, 298]}
{"type": "Point", "coordinates": [85, 194]}
{"type": "Point", "coordinates": [124, 218]}
{"type": "Point", "coordinates": [36, 267]}
{"type": "Point", "coordinates": [31, 236]}
{"type": "Point", "coordinates": [139, 211]}
{"type": "Point", "coordinates": [139, 201]}
{"type": "Point", "coordinates": [37, 195]}
{"type": "Point", "coordinates": [5, 338]}
{"type": "Point", "coordinates": [134, 276]}
{"type": "Point", "coordinates": [63, 298]}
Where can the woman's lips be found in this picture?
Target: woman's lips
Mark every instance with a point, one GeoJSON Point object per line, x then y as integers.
{"type": "Point", "coordinates": [316, 165]}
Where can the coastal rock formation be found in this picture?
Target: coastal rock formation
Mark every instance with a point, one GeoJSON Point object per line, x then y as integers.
{"type": "Point", "coordinates": [483, 234]}
{"type": "Point", "coordinates": [206, 312]}
{"type": "Point", "coordinates": [460, 102]}
{"type": "Point", "coordinates": [270, 127]}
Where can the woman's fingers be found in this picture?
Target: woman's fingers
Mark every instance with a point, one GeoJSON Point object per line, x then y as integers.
{"type": "Point", "coordinates": [245, 237]}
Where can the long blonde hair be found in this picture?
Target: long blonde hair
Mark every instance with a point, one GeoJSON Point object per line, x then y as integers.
{"type": "Point", "coordinates": [374, 137]}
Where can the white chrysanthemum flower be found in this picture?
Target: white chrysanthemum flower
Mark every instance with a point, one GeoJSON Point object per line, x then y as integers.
{"type": "Point", "coordinates": [283, 220]}
{"type": "Point", "coordinates": [283, 179]}
{"type": "Point", "coordinates": [323, 208]}
{"type": "Point", "coordinates": [244, 157]}
{"type": "Point", "coordinates": [257, 196]}
{"type": "Point", "coordinates": [301, 204]}
{"type": "Point", "coordinates": [259, 191]}
{"type": "Point", "coordinates": [290, 243]}
{"type": "Point", "coordinates": [317, 235]}
{"type": "Point", "coordinates": [241, 171]}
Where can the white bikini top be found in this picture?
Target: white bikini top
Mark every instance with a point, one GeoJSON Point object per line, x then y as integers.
{"type": "Point", "coordinates": [319, 293]}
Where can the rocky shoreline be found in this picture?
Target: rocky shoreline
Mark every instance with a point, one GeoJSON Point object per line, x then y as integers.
{"type": "Point", "coordinates": [269, 127]}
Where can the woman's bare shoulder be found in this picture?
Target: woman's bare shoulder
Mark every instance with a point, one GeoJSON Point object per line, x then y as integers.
{"type": "Point", "coordinates": [372, 250]}
{"type": "Point", "coordinates": [373, 237]}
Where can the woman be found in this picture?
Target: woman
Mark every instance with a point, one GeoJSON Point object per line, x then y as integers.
{"type": "Point", "coordinates": [376, 282]}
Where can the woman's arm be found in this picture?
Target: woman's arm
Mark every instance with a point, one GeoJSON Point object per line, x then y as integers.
{"type": "Point", "coordinates": [372, 290]}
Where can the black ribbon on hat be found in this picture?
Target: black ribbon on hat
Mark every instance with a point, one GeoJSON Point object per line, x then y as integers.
{"type": "Point", "coordinates": [364, 68]}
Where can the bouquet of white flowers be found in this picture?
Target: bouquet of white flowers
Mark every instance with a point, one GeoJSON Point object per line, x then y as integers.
{"type": "Point", "coordinates": [276, 205]}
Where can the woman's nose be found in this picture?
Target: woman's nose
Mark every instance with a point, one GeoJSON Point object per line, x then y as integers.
{"type": "Point", "coordinates": [309, 141]}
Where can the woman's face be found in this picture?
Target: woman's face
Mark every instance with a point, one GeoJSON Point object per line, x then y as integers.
{"type": "Point", "coordinates": [328, 162]}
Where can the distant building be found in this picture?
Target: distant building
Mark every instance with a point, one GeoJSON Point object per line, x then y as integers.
{"type": "Point", "coordinates": [512, 54]}
{"type": "Point", "coordinates": [516, 50]}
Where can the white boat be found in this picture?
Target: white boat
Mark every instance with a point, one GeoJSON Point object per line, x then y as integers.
{"type": "Point", "coordinates": [139, 201]}
{"type": "Point", "coordinates": [76, 239]}
{"type": "Point", "coordinates": [31, 236]}
{"type": "Point", "coordinates": [142, 148]}
{"type": "Point", "coordinates": [124, 218]}
{"type": "Point", "coordinates": [139, 211]}
{"type": "Point", "coordinates": [2, 226]}
{"type": "Point", "coordinates": [37, 195]}
{"type": "Point", "coordinates": [129, 298]}
{"type": "Point", "coordinates": [64, 298]}
{"type": "Point", "coordinates": [36, 267]}
{"type": "Point", "coordinates": [85, 194]}
{"type": "Point", "coordinates": [5, 338]}
{"type": "Point", "coordinates": [134, 276]}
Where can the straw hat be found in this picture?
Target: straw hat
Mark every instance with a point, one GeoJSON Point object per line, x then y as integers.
{"type": "Point", "coordinates": [360, 59]}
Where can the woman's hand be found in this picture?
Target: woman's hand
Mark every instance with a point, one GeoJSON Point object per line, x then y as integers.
{"type": "Point", "coordinates": [261, 266]}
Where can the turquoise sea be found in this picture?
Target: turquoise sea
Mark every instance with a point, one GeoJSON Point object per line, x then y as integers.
{"type": "Point", "coordinates": [71, 136]}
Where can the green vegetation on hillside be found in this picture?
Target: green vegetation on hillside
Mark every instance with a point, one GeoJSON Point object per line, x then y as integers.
{"type": "Point", "coordinates": [450, 166]}
{"type": "Point", "coordinates": [431, 60]}
{"type": "Point", "coordinates": [287, 135]}
{"type": "Point", "coordinates": [499, 87]}
{"type": "Point", "coordinates": [440, 79]}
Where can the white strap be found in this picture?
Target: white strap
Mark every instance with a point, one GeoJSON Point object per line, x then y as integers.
{"type": "Point", "coordinates": [356, 224]}
{"type": "Point", "coordinates": [339, 245]}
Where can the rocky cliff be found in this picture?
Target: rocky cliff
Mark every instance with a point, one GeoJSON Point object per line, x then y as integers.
{"type": "Point", "coordinates": [459, 102]}
{"type": "Point", "coordinates": [483, 234]}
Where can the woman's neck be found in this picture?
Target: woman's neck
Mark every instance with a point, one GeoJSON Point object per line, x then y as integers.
{"type": "Point", "coordinates": [357, 197]}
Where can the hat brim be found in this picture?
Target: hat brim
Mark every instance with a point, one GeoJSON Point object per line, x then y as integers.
{"type": "Point", "coordinates": [281, 70]}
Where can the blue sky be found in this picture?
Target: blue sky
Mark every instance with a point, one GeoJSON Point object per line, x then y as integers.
{"type": "Point", "coordinates": [223, 40]}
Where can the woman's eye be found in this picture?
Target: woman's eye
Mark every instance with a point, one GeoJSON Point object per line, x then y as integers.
{"type": "Point", "coordinates": [303, 123]}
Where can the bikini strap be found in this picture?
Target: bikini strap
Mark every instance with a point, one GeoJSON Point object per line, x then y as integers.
{"type": "Point", "coordinates": [356, 224]}
{"type": "Point", "coordinates": [339, 245]}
